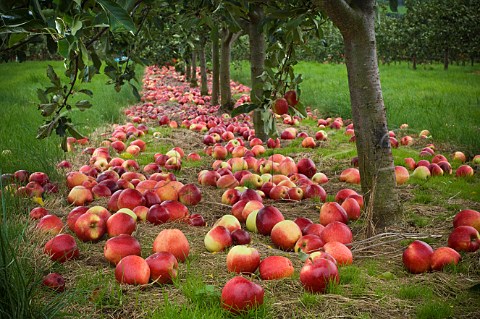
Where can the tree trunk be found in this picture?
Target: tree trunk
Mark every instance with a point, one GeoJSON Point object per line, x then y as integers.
{"type": "Point", "coordinates": [445, 59]}
{"type": "Point", "coordinates": [414, 61]}
{"type": "Point", "coordinates": [203, 67]}
{"type": "Point", "coordinates": [356, 23]}
{"type": "Point", "coordinates": [228, 37]}
{"type": "Point", "coordinates": [257, 62]}
{"type": "Point", "coordinates": [193, 80]}
{"type": "Point", "coordinates": [215, 66]}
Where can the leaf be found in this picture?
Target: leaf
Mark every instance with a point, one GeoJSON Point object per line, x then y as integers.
{"type": "Point", "coordinates": [244, 108]}
{"type": "Point", "coordinates": [64, 144]}
{"type": "Point", "coordinates": [77, 25]}
{"type": "Point", "coordinates": [87, 92]}
{"type": "Point", "coordinates": [135, 91]}
{"type": "Point", "coordinates": [48, 108]}
{"type": "Point", "coordinates": [118, 14]}
{"type": "Point", "coordinates": [42, 96]}
{"type": "Point", "coordinates": [45, 130]}
{"type": "Point", "coordinates": [15, 38]}
{"type": "Point", "coordinates": [63, 48]}
{"type": "Point", "coordinates": [303, 256]}
{"type": "Point", "coordinates": [73, 131]}
{"type": "Point", "coordinates": [52, 46]}
{"type": "Point", "coordinates": [53, 76]}
{"type": "Point", "coordinates": [83, 105]}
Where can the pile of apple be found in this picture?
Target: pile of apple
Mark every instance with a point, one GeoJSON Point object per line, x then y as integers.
{"type": "Point", "coordinates": [420, 257]}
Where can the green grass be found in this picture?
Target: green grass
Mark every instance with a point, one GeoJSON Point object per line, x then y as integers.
{"type": "Point", "coordinates": [447, 103]}
{"type": "Point", "coordinates": [19, 149]}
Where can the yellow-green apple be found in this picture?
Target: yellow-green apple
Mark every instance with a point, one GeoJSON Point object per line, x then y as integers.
{"type": "Point", "coordinates": [285, 234]}
{"type": "Point", "coordinates": [238, 164]}
{"type": "Point", "coordinates": [249, 208]}
{"type": "Point", "coordinates": [421, 172]}
{"type": "Point", "coordinates": [317, 275]}
{"type": "Point", "coordinates": [464, 238]}
{"type": "Point", "coordinates": [228, 221]}
{"type": "Point", "coordinates": [476, 160]}
{"type": "Point", "coordinates": [267, 217]}
{"type": "Point", "coordinates": [424, 134]}
{"type": "Point", "coordinates": [196, 220]}
{"type": "Point", "coordinates": [119, 223]}
{"type": "Point", "coordinates": [61, 248]}
{"type": "Point", "coordinates": [132, 270]}
{"type": "Point", "coordinates": [217, 239]}
{"type": "Point", "coordinates": [251, 222]}
{"type": "Point", "coordinates": [309, 142]}
{"type": "Point", "coordinates": [306, 167]}
{"type": "Point", "coordinates": [319, 178]}
{"type": "Point", "coordinates": [243, 259]}
{"type": "Point", "coordinates": [339, 251]}
{"type": "Point", "coordinates": [176, 210]}
{"type": "Point", "coordinates": [174, 242]}
{"type": "Point", "coordinates": [163, 267]}
{"type": "Point", "coordinates": [337, 231]}
{"type": "Point", "coordinates": [75, 178]}
{"type": "Point", "coordinates": [128, 211]}
{"type": "Point", "coordinates": [240, 295]}
{"type": "Point", "coordinates": [50, 224]}
{"type": "Point", "coordinates": [280, 106]}
{"type": "Point", "coordinates": [189, 194]}
{"type": "Point", "coordinates": [275, 267]}
{"type": "Point", "coordinates": [467, 217]}
{"type": "Point", "coordinates": [100, 211]}
{"type": "Point", "coordinates": [308, 244]}
{"type": "Point", "coordinates": [459, 157]}
{"type": "Point", "coordinates": [230, 196]}
{"type": "Point", "coordinates": [464, 171]}
{"type": "Point", "coordinates": [444, 256]}
{"type": "Point", "coordinates": [332, 211]}
{"type": "Point", "coordinates": [253, 181]}
{"type": "Point", "coordinates": [401, 175]}
{"type": "Point", "coordinates": [54, 281]}
{"type": "Point", "coordinates": [321, 135]}
{"type": "Point", "coordinates": [90, 227]}
{"type": "Point", "coordinates": [80, 196]}
{"type": "Point", "coordinates": [241, 237]}
{"type": "Point", "coordinates": [352, 208]}
{"type": "Point", "coordinates": [141, 212]}
{"type": "Point", "coordinates": [417, 257]}
{"type": "Point", "coordinates": [120, 246]}
{"type": "Point", "coordinates": [350, 175]}
{"type": "Point", "coordinates": [38, 212]}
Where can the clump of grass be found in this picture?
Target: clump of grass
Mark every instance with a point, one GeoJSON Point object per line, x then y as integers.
{"type": "Point", "coordinates": [434, 310]}
{"type": "Point", "coordinates": [354, 277]}
{"type": "Point", "coordinates": [412, 291]}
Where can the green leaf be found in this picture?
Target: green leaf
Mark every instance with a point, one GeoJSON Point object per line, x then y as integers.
{"type": "Point", "coordinates": [77, 25]}
{"type": "Point", "coordinates": [63, 48]}
{"type": "Point", "coordinates": [15, 38]}
{"type": "Point", "coordinates": [83, 105]}
{"type": "Point", "coordinates": [244, 108]}
{"type": "Point", "coordinates": [73, 131]}
{"type": "Point", "coordinates": [118, 14]}
{"type": "Point", "coordinates": [45, 130]}
{"type": "Point", "coordinates": [53, 76]}
{"type": "Point", "coordinates": [87, 92]}
{"type": "Point", "coordinates": [48, 108]}
{"type": "Point", "coordinates": [42, 96]}
{"type": "Point", "coordinates": [299, 110]}
{"type": "Point", "coordinates": [51, 45]}
{"type": "Point", "coordinates": [135, 91]}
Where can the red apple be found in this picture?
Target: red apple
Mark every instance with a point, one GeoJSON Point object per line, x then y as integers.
{"type": "Point", "coordinates": [132, 270]}
{"type": "Point", "coordinates": [303, 222]}
{"type": "Point", "coordinates": [61, 248]}
{"type": "Point", "coordinates": [243, 259]}
{"type": "Point", "coordinates": [275, 267]}
{"type": "Point", "coordinates": [163, 267]}
{"type": "Point", "coordinates": [54, 281]}
{"type": "Point", "coordinates": [464, 171]}
{"type": "Point", "coordinates": [217, 239]}
{"type": "Point", "coordinates": [306, 167]}
{"type": "Point", "coordinates": [50, 224]}
{"type": "Point", "coordinates": [316, 192]}
{"type": "Point", "coordinates": [308, 243]}
{"type": "Point", "coordinates": [444, 256]}
{"type": "Point", "coordinates": [189, 194]}
{"type": "Point", "coordinates": [158, 214]}
{"type": "Point", "coordinates": [176, 210]}
{"type": "Point", "coordinates": [241, 237]}
{"type": "Point", "coordinates": [119, 223]}
{"type": "Point", "coordinates": [172, 241]}
{"type": "Point", "coordinates": [285, 234]}
{"type": "Point", "coordinates": [332, 211]}
{"type": "Point", "coordinates": [464, 238]}
{"type": "Point", "coordinates": [267, 218]}
{"type": "Point", "coordinates": [230, 196]}
{"type": "Point", "coordinates": [240, 294]}
{"type": "Point", "coordinates": [280, 106]}
{"type": "Point", "coordinates": [130, 198]}
{"type": "Point", "coordinates": [401, 175]}
{"type": "Point", "coordinates": [417, 257]}
{"type": "Point", "coordinates": [314, 229]}
{"type": "Point", "coordinates": [90, 227]}
{"type": "Point", "coordinates": [339, 251]}
{"type": "Point", "coordinates": [337, 231]}
{"type": "Point", "coordinates": [467, 217]}
{"type": "Point", "coordinates": [38, 212]}
{"type": "Point", "coordinates": [317, 275]}
{"type": "Point", "coordinates": [120, 246]}
{"type": "Point", "coordinates": [80, 196]}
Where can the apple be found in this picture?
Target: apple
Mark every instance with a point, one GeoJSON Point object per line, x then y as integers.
{"type": "Point", "coordinates": [352, 208]}
{"type": "Point", "coordinates": [267, 217]}
{"type": "Point", "coordinates": [38, 177]}
{"type": "Point", "coordinates": [309, 142]}
{"type": "Point", "coordinates": [75, 178]}
{"type": "Point", "coordinates": [168, 190]}
{"type": "Point", "coordinates": [464, 171]}
{"type": "Point", "coordinates": [280, 106]}
{"type": "Point", "coordinates": [90, 227]}
{"type": "Point", "coordinates": [252, 181]}
{"type": "Point", "coordinates": [417, 257]}
{"type": "Point", "coordinates": [251, 222]}
{"type": "Point", "coordinates": [467, 217]}
{"type": "Point", "coordinates": [120, 246]}
{"type": "Point", "coordinates": [132, 270]}
{"type": "Point", "coordinates": [172, 241]}
{"type": "Point", "coordinates": [290, 133]}
{"type": "Point", "coordinates": [317, 275]}
{"type": "Point", "coordinates": [157, 214]}
{"type": "Point", "coordinates": [61, 248]}
{"type": "Point", "coordinates": [241, 237]}
{"type": "Point", "coordinates": [80, 196]}
{"type": "Point", "coordinates": [74, 214]}
{"type": "Point", "coordinates": [314, 229]}
{"type": "Point", "coordinates": [332, 211]}
{"type": "Point", "coordinates": [119, 223]}
{"type": "Point", "coordinates": [339, 251]}
{"type": "Point", "coordinates": [176, 210]}
{"type": "Point", "coordinates": [163, 267]}
{"type": "Point", "coordinates": [350, 175]}
{"type": "Point", "coordinates": [243, 259]}
{"type": "Point", "coordinates": [308, 243]}
{"type": "Point", "coordinates": [444, 256]}
{"type": "Point", "coordinates": [275, 267]}
{"type": "Point", "coordinates": [278, 192]}
{"type": "Point", "coordinates": [285, 234]}
{"type": "Point", "coordinates": [50, 224]}
{"type": "Point", "coordinates": [38, 212]}
{"type": "Point", "coordinates": [291, 97]}
{"type": "Point", "coordinates": [21, 176]}
{"type": "Point", "coordinates": [446, 167]}
{"type": "Point", "coordinates": [54, 281]}
{"type": "Point", "coordinates": [230, 196]}
{"type": "Point", "coordinates": [240, 294]}
{"type": "Point", "coordinates": [196, 220]}
{"type": "Point", "coordinates": [343, 194]}
{"type": "Point", "coordinates": [306, 167]}
{"type": "Point", "coordinates": [219, 152]}
{"type": "Point", "coordinates": [230, 222]}
{"type": "Point", "coordinates": [464, 238]}
{"type": "Point", "coordinates": [194, 157]}
{"type": "Point", "coordinates": [217, 239]}
{"type": "Point", "coordinates": [100, 211]}
{"type": "Point", "coordinates": [337, 231]}
{"type": "Point", "coordinates": [459, 157]}
{"type": "Point", "coordinates": [250, 195]}
{"type": "Point", "coordinates": [189, 194]}
{"type": "Point", "coordinates": [401, 175]}
{"type": "Point", "coordinates": [421, 172]}
{"type": "Point", "coordinates": [320, 254]}
{"type": "Point", "coordinates": [319, 178]}
{"type": "Point", "coordinates": [315, 191]}
{"type": "Point", "coordinates": [303, 222]}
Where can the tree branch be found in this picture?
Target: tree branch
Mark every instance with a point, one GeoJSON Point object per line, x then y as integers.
{"type": "Point", "coordinates": [339, 11]}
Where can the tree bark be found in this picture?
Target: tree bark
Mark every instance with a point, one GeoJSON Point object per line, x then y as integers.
{"type": "Point", "coordinates": [203, 67]}
{"type": "Point", "coordinates": [228, 37]}
{"type": "Point", "coordinates": [215, 65]}
{"type": "Point", "coordinates": [356, 23]}
{"type": "Point", "coordinates": [414, 62]}
{"type": "Point", "coordinates": [188, 71]}
{"type": "Point", "coordinates": [257, 65]}
{"type": "Point", "coordinates": [193, 80]}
